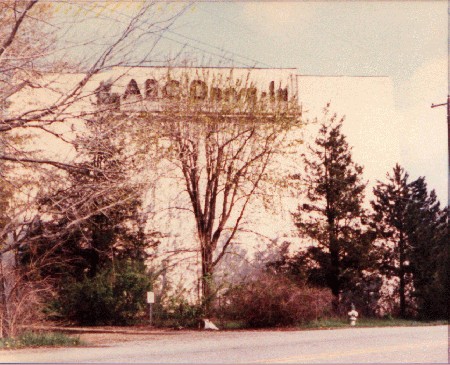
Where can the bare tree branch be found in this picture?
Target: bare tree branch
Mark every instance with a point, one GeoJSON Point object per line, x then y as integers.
{"type": "Point", "coordinates": [16, 27]}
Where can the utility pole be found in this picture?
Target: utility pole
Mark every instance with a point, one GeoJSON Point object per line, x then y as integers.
{"type": "Point", "coordinates": [448, 139]}
{"type": "Point", "coordinates": [448, 106]}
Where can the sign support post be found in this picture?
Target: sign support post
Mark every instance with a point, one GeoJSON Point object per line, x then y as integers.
{"type": "Point", "coordinates": [150, 301]}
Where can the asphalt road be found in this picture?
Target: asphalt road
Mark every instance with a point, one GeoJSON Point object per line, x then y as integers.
{"type": "Point", "coordinates": [351, 345]}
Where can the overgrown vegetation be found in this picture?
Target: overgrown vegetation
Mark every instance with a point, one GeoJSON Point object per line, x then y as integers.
{"type": "Point", "coordinates": [178, 314]}
{"type": "Point", "coordinates": [40, 339]}
{"type": "Point", "coordinates": [81, 235]}
{"type": "Point", "coordinates": [271, 301]}
{"type": "Point", "coordinates": [115, 295]}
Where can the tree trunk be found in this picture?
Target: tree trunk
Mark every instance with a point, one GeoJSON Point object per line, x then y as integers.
{"type": "Point", "coordinates": [334, 281]}
{"type": "Point", "coordinates": [4, 309]}
{"type": "Point", "coordinates": [207, 279]}
{"type": "Point", "coordinates": [402, 276]}
{"type": "Point", "coordinates": [402, 295]}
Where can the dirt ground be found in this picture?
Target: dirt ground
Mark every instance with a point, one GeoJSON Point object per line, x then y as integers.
{"type": "Point", "coordinates": [107, 338]}
{"type": "Point", "coordinates": [104, 336]}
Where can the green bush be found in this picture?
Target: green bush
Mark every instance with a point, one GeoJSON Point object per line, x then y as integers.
{"type": "Point", "coordinates": [178, 312]}
{"type": "Point", "coordinates": [274, 300]}
{"type": "Point", "coordinates": [38, 339]}
{"type": "Point", "coordinates": [116, 295]}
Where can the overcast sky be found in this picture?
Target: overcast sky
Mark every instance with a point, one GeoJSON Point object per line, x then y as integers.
{"type": "Point", "coordinates": [405, 40]}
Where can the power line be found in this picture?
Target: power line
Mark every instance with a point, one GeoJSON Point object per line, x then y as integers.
{"type": "Point", "coordinates": [256, 62]}
{"type": "Point", "coordinates": [218, 48]}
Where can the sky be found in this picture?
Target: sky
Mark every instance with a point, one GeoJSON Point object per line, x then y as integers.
{"type": "Point", "coordinates": [406, 41]}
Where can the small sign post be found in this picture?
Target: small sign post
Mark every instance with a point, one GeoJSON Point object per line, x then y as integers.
{"type": "Point", "coordinates": [150, 301]}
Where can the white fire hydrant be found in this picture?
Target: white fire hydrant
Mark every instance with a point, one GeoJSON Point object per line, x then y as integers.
{"type": "Point", "coordinates": [352, 316]}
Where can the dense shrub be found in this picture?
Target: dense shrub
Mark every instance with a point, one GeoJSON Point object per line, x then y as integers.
{"type": "Point", "coordinates": [276, 301]}
{"type": "Point", "coordinates": [178, 312]}
{"type": "Point", "coordinates": [116, 295]}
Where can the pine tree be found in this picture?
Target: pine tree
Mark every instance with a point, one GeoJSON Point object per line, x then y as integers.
{"type": "Point", "coordinates": [412, 236]}
{"type": "Point", "coordinates": [427, 228]}
{"type": "Point", "coordinates": [334, 219]}
{"type": "Point", "coordinates": [94, 217]}
{"type": "Point", "coordinates": [390, 223]}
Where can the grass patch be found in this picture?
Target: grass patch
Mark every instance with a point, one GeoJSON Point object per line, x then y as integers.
{"type": "Point", "coordinates": [378, 322]}
{"type": "Point", "coordinates": [233, 325]}
{"type": "Point", "coordinates": [370, 322]}
{"type": "Point", "coordinates": [40, 339]}
{"type": "Point", "coordinates": [326, 323]}
{"type": "Point", "coordinates": [329, 323]}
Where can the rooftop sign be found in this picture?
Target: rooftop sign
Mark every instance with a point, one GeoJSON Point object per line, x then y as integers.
{"type": "Point", "coordinates": [153, 94]}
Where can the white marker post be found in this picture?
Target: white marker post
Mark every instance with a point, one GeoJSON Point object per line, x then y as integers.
{"type": "Point", "coordinates": [150, 301]}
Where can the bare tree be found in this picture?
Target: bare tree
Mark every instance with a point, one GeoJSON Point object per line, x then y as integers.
{"type": "Point", "coordinates": [28, 64]}
{"type": "Point", "coordinates": [22, 291]}
{"type": "Point", "coordinates": [38, 96]}
{"type": "Point", "coordinates": [25, 60]}
{"type": "Point", "coordinates": [224, 146]}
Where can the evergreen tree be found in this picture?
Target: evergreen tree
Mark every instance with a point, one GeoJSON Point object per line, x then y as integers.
{"type": "Point", "coordinates": [90, 241]}
{"type": "Point", "coordinates": [427, 227]}
{"type": "Point", "coordinates": [390, 223]}
{"type": "Point", "coordinates": [94, 217]}
{"type": "Point", "coordinates": [334, 219]}
{"type": "Point", "coordinates": [412, 235]}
